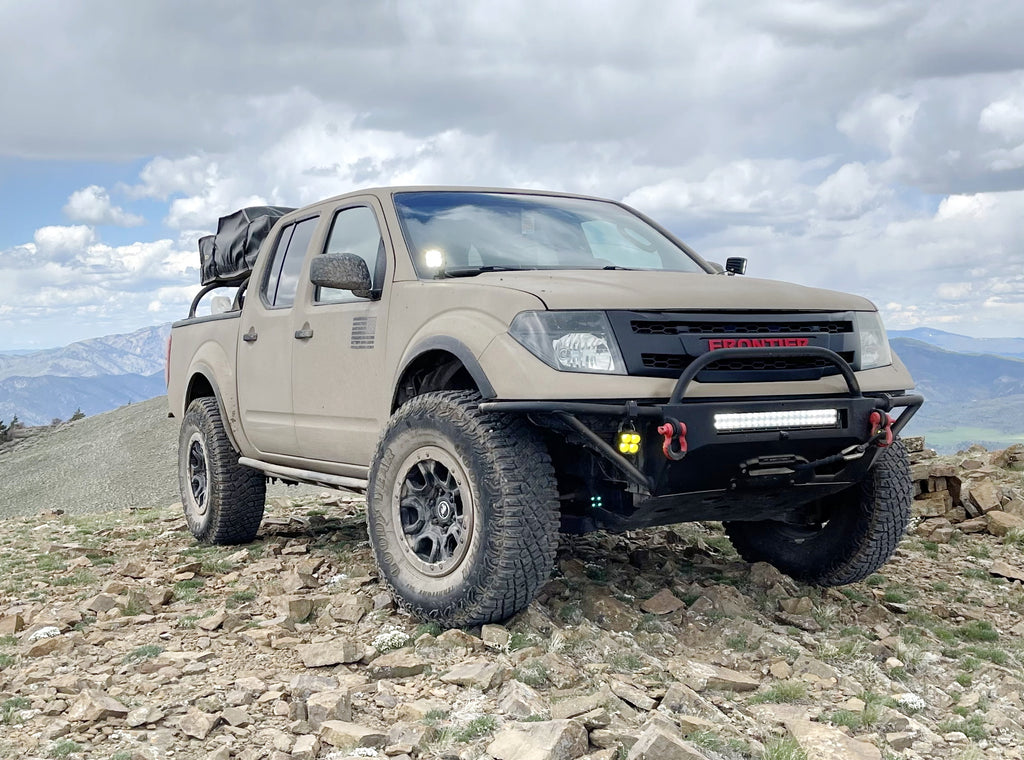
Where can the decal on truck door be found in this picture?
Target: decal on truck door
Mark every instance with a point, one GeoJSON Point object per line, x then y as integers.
{"type": "Point", "coordinates": [363, 330]}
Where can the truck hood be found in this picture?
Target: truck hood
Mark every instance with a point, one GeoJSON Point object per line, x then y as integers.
{"type": "Point", "coordinates": [645, 290]}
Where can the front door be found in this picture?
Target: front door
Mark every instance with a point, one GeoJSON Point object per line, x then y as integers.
{"type": "Point", "coordinates": [265, 343]}
{"type": "Point", "coordinates": [341, 396]}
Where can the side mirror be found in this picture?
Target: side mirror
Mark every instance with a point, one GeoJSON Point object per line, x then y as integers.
{"type": "Point", "coordinates": [736, 265]}
{"type": "Point", "coordinates": [341, 271]}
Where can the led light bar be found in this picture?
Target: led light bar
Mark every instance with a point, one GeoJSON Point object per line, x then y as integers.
{"type": "Point", "coordinates": [803, 418]}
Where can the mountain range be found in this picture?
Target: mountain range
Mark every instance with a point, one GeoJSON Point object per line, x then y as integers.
{"type": "Point", "coordinates": [974, 387]}
{"type": "Point", "coordinates": [93, 375]}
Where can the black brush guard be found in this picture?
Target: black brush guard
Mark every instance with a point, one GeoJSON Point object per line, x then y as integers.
{"type": "Point", "coordinates": [748, 475]}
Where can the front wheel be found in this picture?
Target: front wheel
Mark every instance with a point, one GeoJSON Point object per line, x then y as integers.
{"type": "Point", "coordinates": [461, 510]}
{"type": "Point", "coordinates": [223, 500]}
{"type": "Point", "coordinates": [863, 526]}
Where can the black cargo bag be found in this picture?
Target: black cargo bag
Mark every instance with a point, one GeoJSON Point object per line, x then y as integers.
{"type": "Point", "coordinates": [229, 256]}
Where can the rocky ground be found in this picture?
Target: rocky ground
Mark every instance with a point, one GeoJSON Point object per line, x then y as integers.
{"type": "Point", "coordinates": [120, 637]}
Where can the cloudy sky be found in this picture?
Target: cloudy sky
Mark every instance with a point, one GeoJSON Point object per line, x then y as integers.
{"type": "Point", "coordinates": [863, 146]}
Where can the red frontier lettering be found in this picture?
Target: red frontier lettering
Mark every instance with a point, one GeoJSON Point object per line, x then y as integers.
{"type": "Point", "coordinates": [716, 343]}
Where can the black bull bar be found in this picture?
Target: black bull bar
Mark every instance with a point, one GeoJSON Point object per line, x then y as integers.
{"type": "Point", "coordinates": [717, 463]}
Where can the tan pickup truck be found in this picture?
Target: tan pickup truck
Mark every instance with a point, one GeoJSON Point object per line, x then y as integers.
{"type": "Point", "coordinates": [493, 367]}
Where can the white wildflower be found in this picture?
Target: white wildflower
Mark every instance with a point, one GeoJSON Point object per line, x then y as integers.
{"type": "Point", "coordinates": [390, 638]}
{"type": "Point", "coordinates": [910, 701]}
{"type": "Point", "coordinates": [46, 632]}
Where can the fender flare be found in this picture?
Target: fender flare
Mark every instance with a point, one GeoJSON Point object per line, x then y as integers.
{"type": "Point", "coordinates": [460, 351]}
{"type": "Point", "coordinates": [204, 371]}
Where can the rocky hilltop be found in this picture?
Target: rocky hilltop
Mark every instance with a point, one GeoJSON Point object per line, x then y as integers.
{"type": "Point", "coordinates": [120, 637]}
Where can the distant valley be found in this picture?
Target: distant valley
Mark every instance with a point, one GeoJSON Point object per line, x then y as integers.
{"type": "Point", "coordinates": [974, 387]}
{"type": "Point", "coordinates": [92, 375]}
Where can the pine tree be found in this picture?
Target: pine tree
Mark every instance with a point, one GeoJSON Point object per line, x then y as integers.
{"type": "Point", "coordinates": [79, 414]}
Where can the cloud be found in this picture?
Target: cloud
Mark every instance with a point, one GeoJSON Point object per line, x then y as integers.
{"type": "Point", "coordinates": [92, 205]}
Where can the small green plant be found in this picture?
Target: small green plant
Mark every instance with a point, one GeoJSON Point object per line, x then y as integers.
{"type": "Point", "coordinates": [432, 629]}
{"type": "Point", "coordinates": [875, 580]}
{"type": "Point", "coordinates": [1014, 538]}
{"type": "Point", "coordinates": [940, 586]}
{"type": "Point", "coordinates": [6, 660]}
{"type": "Point", "coordinates": [785, 748]}
{"type": "Point", "coordinates": [978, 630]}
{"type": "Point", "coordinates": [627, 662]}
{"type": "Point", "coordinates": [518, 640]}
{"type": "Point", "coordinates": [979, 551]}
{"type": "Point", "coordinates": [972, 727]}
{"type": "Point", "coordinates": [846, 718]}
{"type": "Point", "coordinates": [476, 728]}
{"type": "Point", "coordinates": [782, 692]}
{"type": "Point", "coordinates": [188, 591]}
{"type": "Point", "coordinates": [895, 595]}
{"type": "Point", "coordinates": [9, 709]}
{"type": "Point", "coordinates": [145, 652]}
{"type": "Point", "coordinates": [187, 622]}
{"type": "Point", "coordinates": [533, 674]}
{"type": "Point", "coordinates": [238, 598]}
{"type": "Point", "coordinates": [433, 717]}
{"type": "Point", "coordinates": [992, 654]}
{"type": "Point", "coordinates": [7, 640]}
{"type": "Point", "coordinates": [964, 679]}
{"type": "Point", "coordinates": [737, 641]}
{"type": "Point", "coordinates": [63, 748]}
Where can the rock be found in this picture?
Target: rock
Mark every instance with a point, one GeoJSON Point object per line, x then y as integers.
{"type": "Point", "coordinates": [914, 443]}
{"type": "Point", "coordinates": [92, 705]}
{"type": "Point", "coordinates": [339, 733]}
{"type": "Point", "coordinates": [11, 624]}
{"type": "Point", "coordinates": [974, 525]}
{"type": "Point", "coordinates": [662, 603]}
{"type": "Point", "coordinates": [900, 741]}
{"type": "Point", "coordinates": [701, 676]}
{"type": "Point", "coordinates": [235, 716]}
{"type": "Point", "coordinates": [822, 742]}
{"type": "Point", "coordinates": [799, 606]}
{"type": "Point", "coordinates": [629, 693]}
{"type": "Point", "coordinates": [419, 709]}
{"type": "Point", "coordinates": [657, 742]}
{"type": "Point", "coordinates": [328, 705]}
{"type": "Point", "coordinates": [544, 740]}
{"type": "Point", "coordinates": [478, 673]}
{"type": "Point", "coordinates": [570, 708]}
{"type": "Point", "coordinates": [214, 621]}
{"type": "Point", "coordinates": [781, 670]}
{"type": "Point", "coordinates": [306, 747]}
{"type": "Point", "coordinates": [401, 663]}
{"type": "Point", "coordinates": [453, 637]}
{"type": "Point", "coordinates": [984, 496]}
{"type": "Point", "coordinates": [414, 735]}
{"type": "Point", "coordinates": [101, 603]}
{"type": "Point", "coordinates": [141, 716]}
{"type": "Point", "coordinates": [337, 652]}
{"type": "Point", "coordinates": [295, 609]}
{"type": "Point", "coordinates": [1006, 570]}
{"type": "Point", "coordinates": [495, 636]}
{"type": "Point", "coordinates": [197, 723]}
{"type": "Point", "coordinates": [517, 700]}
{"type": "Point", "coordinates": [1000, 523]}
{"type": "Point", "coordinates": [932, 504]}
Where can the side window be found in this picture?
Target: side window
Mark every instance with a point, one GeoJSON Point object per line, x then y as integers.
{"type": "Point", "coordinates": [283, 280]}
{"type": "Point", "coordinates": [355, 231]}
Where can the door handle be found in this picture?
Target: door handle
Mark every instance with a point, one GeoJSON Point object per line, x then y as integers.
{"type": "Point", "coordinates": [305, 333]}
{"type": "Point", "coordinates": [251, 336]}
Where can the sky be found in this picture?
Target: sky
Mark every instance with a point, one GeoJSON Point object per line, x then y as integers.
{"type": "Point", "coordinates": [871, 147]}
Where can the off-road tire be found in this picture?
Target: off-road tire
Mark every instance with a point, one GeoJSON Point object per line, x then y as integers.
{"type": "Point", "coordinates": [229, 508]}
{"type": "Point", "coordinates": [508, 550]}
{"type": "Point", "coordinates": [865, 526]}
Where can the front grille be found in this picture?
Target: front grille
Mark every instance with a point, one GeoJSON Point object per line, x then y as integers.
{"type": "Point", "coordinates": [679, 327]}
{"type": "Point", "coordinates": [680, 362]}
{"type": "Point", "coordinates": [663, 343]}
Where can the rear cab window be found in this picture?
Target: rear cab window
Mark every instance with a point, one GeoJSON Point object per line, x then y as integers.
{"type": "Point", "coordinates": [282, 279]}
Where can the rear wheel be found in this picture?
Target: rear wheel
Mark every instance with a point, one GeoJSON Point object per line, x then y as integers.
{"type": "Point", "coordinates": [863, 526]}
{"type": "Point", "coordinates": [223, 500]}
{"type": "Point", "coordinates": [462, 510]}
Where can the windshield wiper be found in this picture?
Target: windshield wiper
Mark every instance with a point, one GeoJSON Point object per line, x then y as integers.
{"type": "Point", "coordinates": [473, 271]}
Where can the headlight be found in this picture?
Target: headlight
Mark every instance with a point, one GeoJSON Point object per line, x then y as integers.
{"type": "Point", "coordinates": [570, 341]}
{"type": "Point", "coordinates": [874, 344]}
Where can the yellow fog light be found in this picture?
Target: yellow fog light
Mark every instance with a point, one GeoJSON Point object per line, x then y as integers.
{"type": "Point", "coordinates": [629, 442]}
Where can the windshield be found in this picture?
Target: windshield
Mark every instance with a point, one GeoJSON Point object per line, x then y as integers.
{"type": "Point", "coordinates": [465, 233]}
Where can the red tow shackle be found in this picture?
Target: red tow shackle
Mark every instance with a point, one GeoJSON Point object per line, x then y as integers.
{"type": "Point", "coordinates": [881, 429]}
{"type": "Point", "coordinates": [674, 445]}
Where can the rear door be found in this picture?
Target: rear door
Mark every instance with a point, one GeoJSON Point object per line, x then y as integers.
{"type": "Point", "coordinates": [265, 343]}
{"type": "Point", "coordinates": [341, 396]}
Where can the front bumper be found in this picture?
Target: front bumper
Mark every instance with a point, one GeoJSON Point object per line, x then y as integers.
{"type": "Point", "coordinates": [747, 474]}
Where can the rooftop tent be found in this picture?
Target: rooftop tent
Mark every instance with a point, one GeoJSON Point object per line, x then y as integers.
{"type": "Point", "coordinates": [229, 256]}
